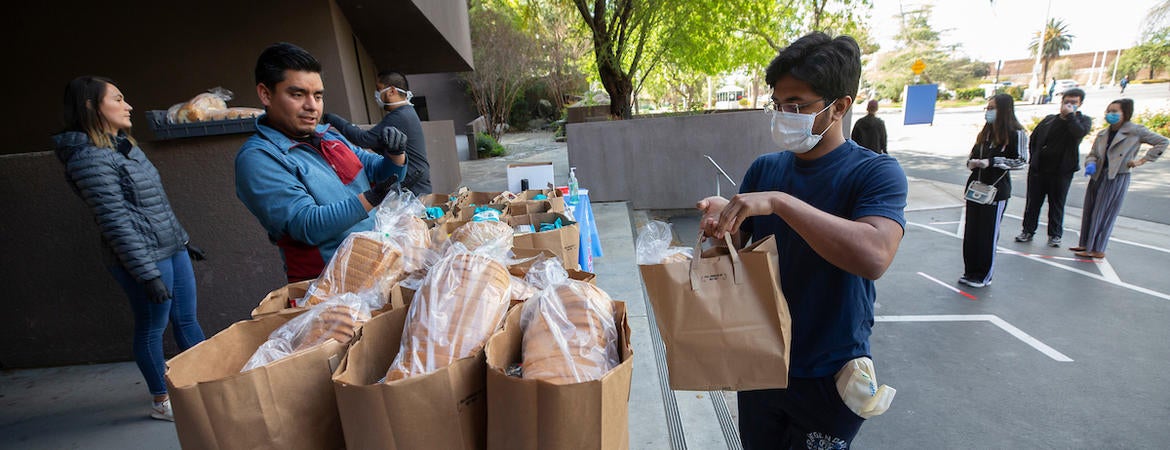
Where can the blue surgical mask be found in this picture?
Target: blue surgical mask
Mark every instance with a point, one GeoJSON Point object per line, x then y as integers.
{"type": "Point", "coordinates": [1112, 118]}
{"type": "Point", "coordinates": [989, 116]}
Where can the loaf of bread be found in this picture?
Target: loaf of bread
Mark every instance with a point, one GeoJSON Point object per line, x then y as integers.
{"type": "Point", "coordinates": [234, 113]}
{"type": "Point", "coordinates": [676, 257]}
{"type": "Point", "coordinates": [200, 108]}
{"type": "Point", "coordinates": [363, 261]}
{"type": "Point", "coordinates": [338, 322]}
{"type": "Point", "coordinates": [569, 334]}
{"type": "Point", "coordinates": [462, 301]}
{"type": "Point", "coordinates": [474, 234]}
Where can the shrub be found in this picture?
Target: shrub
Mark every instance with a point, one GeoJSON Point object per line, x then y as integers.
{"type": "Point", "coordinates": [1152, 80]}
{"type": "Point", "coordinates": [969, 93]}
{"type": "Point", "coordinates": [487, 147]}
{"type": "Point", "coordinates": [1156, 121]}
{"type": "Point", "coordinates": [1016, 92]}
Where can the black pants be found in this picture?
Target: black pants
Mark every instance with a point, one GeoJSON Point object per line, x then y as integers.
{"type": "Point", "coordinates": [980, 238]}
{"type": "Point", "coordinates": [1054, 188]}
{"type": "Point", "coordinates": [807, 415]}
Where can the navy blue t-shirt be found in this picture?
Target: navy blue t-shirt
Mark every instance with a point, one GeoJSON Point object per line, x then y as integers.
{"type": "Point", "coordinates": [832, 310]}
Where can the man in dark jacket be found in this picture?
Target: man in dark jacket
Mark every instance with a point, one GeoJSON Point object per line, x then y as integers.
{"type": "Point", "coordinates": [870, 131]}
{"type": "Point", "coordinates": [1054, 159]}
{"type": "Point", "coordinates": [394, 96]}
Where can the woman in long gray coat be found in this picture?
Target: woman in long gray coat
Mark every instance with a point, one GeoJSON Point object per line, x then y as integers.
{"type": "Point", "coordinates": [1114, 156]}
{"type": "Point", "coordinates": [147, 247]}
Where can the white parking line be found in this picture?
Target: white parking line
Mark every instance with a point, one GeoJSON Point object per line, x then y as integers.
{"type": "Point", "coordinates": [1115, 282]}
{"type": "Point", "coordinates": [1002, 324]}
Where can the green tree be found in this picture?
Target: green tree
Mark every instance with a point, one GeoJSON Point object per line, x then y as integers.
{"type": "Point", "coordinates": [562, 46]}
{"type": "Point", "coordinates": [1152, 54]}
{"type": "Point", "coordinates": [1056, 40]}
{"type": "Point", "coordinates": [917, 39]}
{"type": "Point", "coordinates": [503, 64]}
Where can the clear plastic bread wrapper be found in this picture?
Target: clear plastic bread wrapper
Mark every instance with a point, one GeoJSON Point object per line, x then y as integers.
{"type": "Point", "coordinates": [459, 304]}
{"type": "Point", "coordinates": [337, 319]}
{"type": "Point", "coordinates": [653, 245]}
{"type": "Point", "coordinates": [400, 220]}
{"type": "Point", "coordinates": [365, 260]}
{"type": "Point", "coordinates": [569, 332]}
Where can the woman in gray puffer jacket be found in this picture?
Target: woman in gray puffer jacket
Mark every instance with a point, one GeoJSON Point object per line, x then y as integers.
{"type": "Point", "coordinates": [150, 256]}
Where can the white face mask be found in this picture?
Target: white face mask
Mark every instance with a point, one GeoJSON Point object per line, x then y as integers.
{"type": "Point", "coordinates": [378, 97]}
{"type": "Point", "coordinates": [793, 132]}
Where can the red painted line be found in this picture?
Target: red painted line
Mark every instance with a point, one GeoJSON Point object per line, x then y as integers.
{"type": "Point", "coordinates": [940, 283]}
{"type": "Point", "coordinates": [1062, 258]}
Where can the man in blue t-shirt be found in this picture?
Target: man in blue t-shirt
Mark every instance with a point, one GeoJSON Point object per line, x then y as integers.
{"type": "Point", "coordinates": [836, 210]}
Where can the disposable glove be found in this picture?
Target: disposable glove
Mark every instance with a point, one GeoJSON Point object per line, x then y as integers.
{"type": "Point", "coordinates": [196, 253]}
{"type": "Point", "coordinates": [1090, 168]}
{"type": "Point", "coordinates": [393, 142]}
{"type": "Point", "coordinates": [378, 192]}
{"type": "Point", "coordinates": [156, 290]}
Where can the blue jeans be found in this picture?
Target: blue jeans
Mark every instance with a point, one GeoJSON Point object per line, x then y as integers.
{"type": "Point", "coordinates": [150, 319]}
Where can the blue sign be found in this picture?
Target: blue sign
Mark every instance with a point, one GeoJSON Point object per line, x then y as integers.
{"type": "Point", "coordinates": [919, 105]}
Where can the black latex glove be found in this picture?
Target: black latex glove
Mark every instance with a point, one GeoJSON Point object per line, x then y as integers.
{"type": "Point", "coordinates": [196, 253]}
{"type": "Point", "coordinates": [156, 290]}
{"type": "Point", "coordinates": [393, 142]}
{"type": "Point", "coordinates": [332, 119]}
{"type": "Point", "coordinates": [378, 192]}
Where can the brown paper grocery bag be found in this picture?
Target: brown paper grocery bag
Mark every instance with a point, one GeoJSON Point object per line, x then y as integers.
{"type": "Point", "coordinates": [723, 319]}
{"type": "Point", "coordinates": [288, 404]}
{"type": "Point", "coordinates": [281, 299]}
{"type": "Point", "coordinates": [563, 242]}
{"type": "Point", "coordinates": [532, 414]}
{"type": "Point", "coordinates": [443, 409]}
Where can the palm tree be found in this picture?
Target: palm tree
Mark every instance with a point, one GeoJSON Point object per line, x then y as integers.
{"type": "Point", "coordinates": [1056, 40]}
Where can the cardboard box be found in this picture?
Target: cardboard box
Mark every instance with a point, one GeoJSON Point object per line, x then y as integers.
{"type": "Point", "coordinates": [465, 213]}
{"type": "Point", "coordinates": [524, 207]}
{"type": "Point", "coordinates": [288, 404]}
{"type": "Point", "coordinates": [538, 174]}
{"type": "Point", "coordinates": [563, 241]}
{"type": "Point", "coordinates": [554, 196]}
{"type": "Point", "coordinates": [281, 299]}
{"type": "Point", "coordinates": [445, 409]}
{"type": "Point", "coordinates": [532, 414]}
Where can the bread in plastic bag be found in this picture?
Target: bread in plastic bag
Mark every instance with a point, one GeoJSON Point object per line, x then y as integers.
{"type": "Point", "coordinates": [364, 260]}
{"type": "Point", "coordinates": [337, 319]}
{"type": "Point", "coordinates": [475, 234]}
{"type": "Point", "coordinates": [201, 107]}
{"type": "Point", "coordinates": [653, 245]}
{"type": "Point", "coordinates": [461, 302]}
{"type": "Point", "coordinates": [569, 335]}
{"type": "Point", "coordinates": [399, 219]}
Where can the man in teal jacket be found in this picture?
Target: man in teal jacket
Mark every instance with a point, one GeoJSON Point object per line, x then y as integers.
{"type": "Point", "coordinates": [306, 184]}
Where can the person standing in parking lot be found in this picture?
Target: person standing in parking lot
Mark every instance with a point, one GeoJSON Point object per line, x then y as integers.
{"type": "Point", "coordinates": [1053, 155]}
{"type": "Point", "coordinates": [1114, 156]}
{"type": "Point", "coordinates": [1002, 145]}
{"type": "Point", "coordinates": [1124, 83]}
{"type": "Point", "coordinates": [870, 131]}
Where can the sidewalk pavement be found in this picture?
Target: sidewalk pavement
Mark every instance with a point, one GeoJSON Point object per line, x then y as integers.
{"type": "Point", "coordinates": [106, 405]}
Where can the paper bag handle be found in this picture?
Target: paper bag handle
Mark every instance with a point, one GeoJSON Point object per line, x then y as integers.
{"type": "Point", "coordinates": [736, 262]}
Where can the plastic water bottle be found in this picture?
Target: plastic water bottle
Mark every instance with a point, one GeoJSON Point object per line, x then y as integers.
{"type": "Point", "coordinates": [573, 187]}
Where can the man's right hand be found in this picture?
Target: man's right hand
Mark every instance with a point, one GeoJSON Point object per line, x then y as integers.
{"type": "Point", "coordinates": [378, 192]}
{"type": "Point", "coordinates": [711, 207]}
{"type": "Point", "coordinates": [1066, 109]}
{"type": "Point", "coordinates": [393, 142]}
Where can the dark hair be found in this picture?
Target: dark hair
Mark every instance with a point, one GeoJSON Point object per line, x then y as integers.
{"type": "Point", "coordinates": [871, 106]}
{"type": "Point", "coordinates": [831, 66]}
{"type": "Point", "coordinates": [1074, 92]}
{"type": "Point", "coordinates": [1126, 105]}
{"type": "Point", "coordinates": [393, 78]}
{"type": "Point", "coordinates": [82, 109]}
{"type": "Point", "coordinates": [1000, 131]}
{"type": "Point", "coordinates": [282, 56]}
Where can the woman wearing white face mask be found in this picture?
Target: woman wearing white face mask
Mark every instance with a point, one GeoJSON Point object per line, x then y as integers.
{"type": "Point", "coordinates": [1113, 156]}
{"type": "Point", "coordinates": [1001, 146]}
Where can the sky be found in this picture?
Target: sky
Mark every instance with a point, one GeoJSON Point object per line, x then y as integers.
{"type": "Point", "coordinates": [1003, 30]}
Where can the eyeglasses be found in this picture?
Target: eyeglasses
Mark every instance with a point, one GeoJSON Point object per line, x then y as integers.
{"type": "Point", "coordinates": [772, 106]}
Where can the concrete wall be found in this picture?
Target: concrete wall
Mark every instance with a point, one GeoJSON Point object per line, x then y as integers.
{"type": "Point", "coordinates": [442, 155]}
{"type": "Point", "coordinates": [447, 99]}
{"type": "Point", "coordinates": [64, 307]}
{"type": "Point", "coordinates": [658, 163]}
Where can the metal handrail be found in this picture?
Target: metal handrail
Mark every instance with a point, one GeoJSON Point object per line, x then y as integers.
{"type": "Point", "coordinates": [718, 191]}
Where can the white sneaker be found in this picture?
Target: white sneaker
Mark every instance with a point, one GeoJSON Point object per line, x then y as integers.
{"type": "Point", "coordinates": [162, 411]}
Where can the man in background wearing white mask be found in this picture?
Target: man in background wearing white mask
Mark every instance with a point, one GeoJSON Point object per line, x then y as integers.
{"type": "Point", "coordinates": [837, 212]}
{"type": "Point", "coordinates": [393, 95]}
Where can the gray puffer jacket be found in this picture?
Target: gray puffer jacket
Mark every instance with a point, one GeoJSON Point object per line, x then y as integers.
{"type": "Point", "coordinates": [124, 192]}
